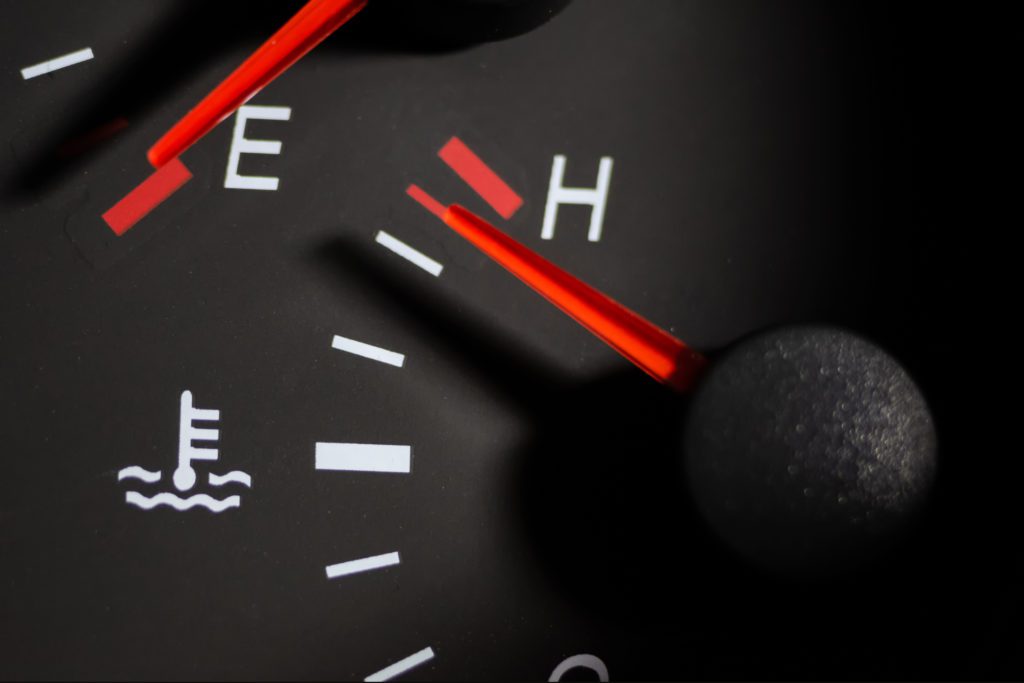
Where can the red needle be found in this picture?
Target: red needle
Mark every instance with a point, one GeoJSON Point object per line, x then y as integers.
{"type": "Point", "coordinates": [314, 22]}
{"type": "Point", "coordinates": [649, 347]}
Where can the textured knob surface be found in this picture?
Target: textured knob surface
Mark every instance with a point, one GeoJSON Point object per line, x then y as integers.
{"type": "Point", "coordinates": [809, 449]}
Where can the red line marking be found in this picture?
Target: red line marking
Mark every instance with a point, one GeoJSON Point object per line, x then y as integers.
{"type": "Point", "coordinates": [481, 178]}
{"type": "Point", "coordinates": [149, 194]}
{"type": "Point", "coordinates": [429, 203]}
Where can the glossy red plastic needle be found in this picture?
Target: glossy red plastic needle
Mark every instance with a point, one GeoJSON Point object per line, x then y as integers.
{"type": "Point", "coordinates": [314, 22]}
{"type": "Point", "coordinates": [649, 347]}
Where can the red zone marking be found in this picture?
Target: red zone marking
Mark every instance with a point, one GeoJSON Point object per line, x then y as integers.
{"type": "Point", "coordinates": [426, 201]}
{"type": "Point", "coordinates": [481, 178]}
{"type": "Point", "coordinates": [148, 195]}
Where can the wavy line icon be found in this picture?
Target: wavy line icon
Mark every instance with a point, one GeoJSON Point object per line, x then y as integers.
{"type": "Point", "coordinates": [235, 477]}
{"type": "Point", "coordinates": [185, 475]}
{"type": "Point", "coordinates": [181, 504]}
{"type": "Point", "coordinates": [136, 472]}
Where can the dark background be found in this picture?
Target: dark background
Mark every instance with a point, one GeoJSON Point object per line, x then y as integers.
{"type": "Point", "coordinates": [850, 164]}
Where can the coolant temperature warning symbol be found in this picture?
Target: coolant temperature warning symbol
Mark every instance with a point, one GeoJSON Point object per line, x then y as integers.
{"type": "Point", "coordinates": [185, 476]}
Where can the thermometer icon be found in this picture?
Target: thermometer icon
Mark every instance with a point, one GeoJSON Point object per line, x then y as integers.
{"type": "Point", "coordinates": [185, 475]}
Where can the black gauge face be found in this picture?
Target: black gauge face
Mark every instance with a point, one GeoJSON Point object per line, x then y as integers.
{"type": "Point", "coordinates": [265, 416]}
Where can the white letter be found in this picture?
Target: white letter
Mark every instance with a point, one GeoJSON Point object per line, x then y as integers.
{"type": "Point", "coordinates": [557, 194]}
{"type": "Point", "coordinates": [241, 145]}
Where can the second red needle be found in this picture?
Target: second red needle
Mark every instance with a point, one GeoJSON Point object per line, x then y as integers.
{"type": "Point", "coordinates": [646, 345]}
{"type": "Point", "coordinates": [314, 22]}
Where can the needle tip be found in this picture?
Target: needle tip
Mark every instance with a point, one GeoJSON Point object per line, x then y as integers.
{"type": "Point", "coordinates": [154, 158]}
{"type": "Point", "coordinates": [449, 214]}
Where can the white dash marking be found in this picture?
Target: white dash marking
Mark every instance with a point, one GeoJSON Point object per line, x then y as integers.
{"type": "Point", "coordinates": [366, 351]}
{"type": "Point", "coordinates": [399, 668]}
{"type": "Point", "coordinates": [363, 457]}
{"type": "Point", "coordinates": [362, 565]}
{"type": "Point", "coordinates": [51, 65]}
{"type": "Point", "coordinates": [408, 253]}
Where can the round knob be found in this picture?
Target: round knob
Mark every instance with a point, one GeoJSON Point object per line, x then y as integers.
{"type": "Point", "coordinates": [808, 449]}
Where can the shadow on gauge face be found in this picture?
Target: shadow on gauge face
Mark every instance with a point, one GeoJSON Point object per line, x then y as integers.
{"type": "Point", "coordinates": [603, 499]}
{"type": "Point", "coordinates": [144, 75]}
{"type": "Point", "coordinates": [600, 496]}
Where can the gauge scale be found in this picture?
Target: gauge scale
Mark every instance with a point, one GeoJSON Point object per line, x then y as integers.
{"type": "Point", "coordinates": [267, 416]}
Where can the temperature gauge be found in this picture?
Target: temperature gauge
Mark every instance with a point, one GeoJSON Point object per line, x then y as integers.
{"type": "Point", "coordinates": [277, 402]}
